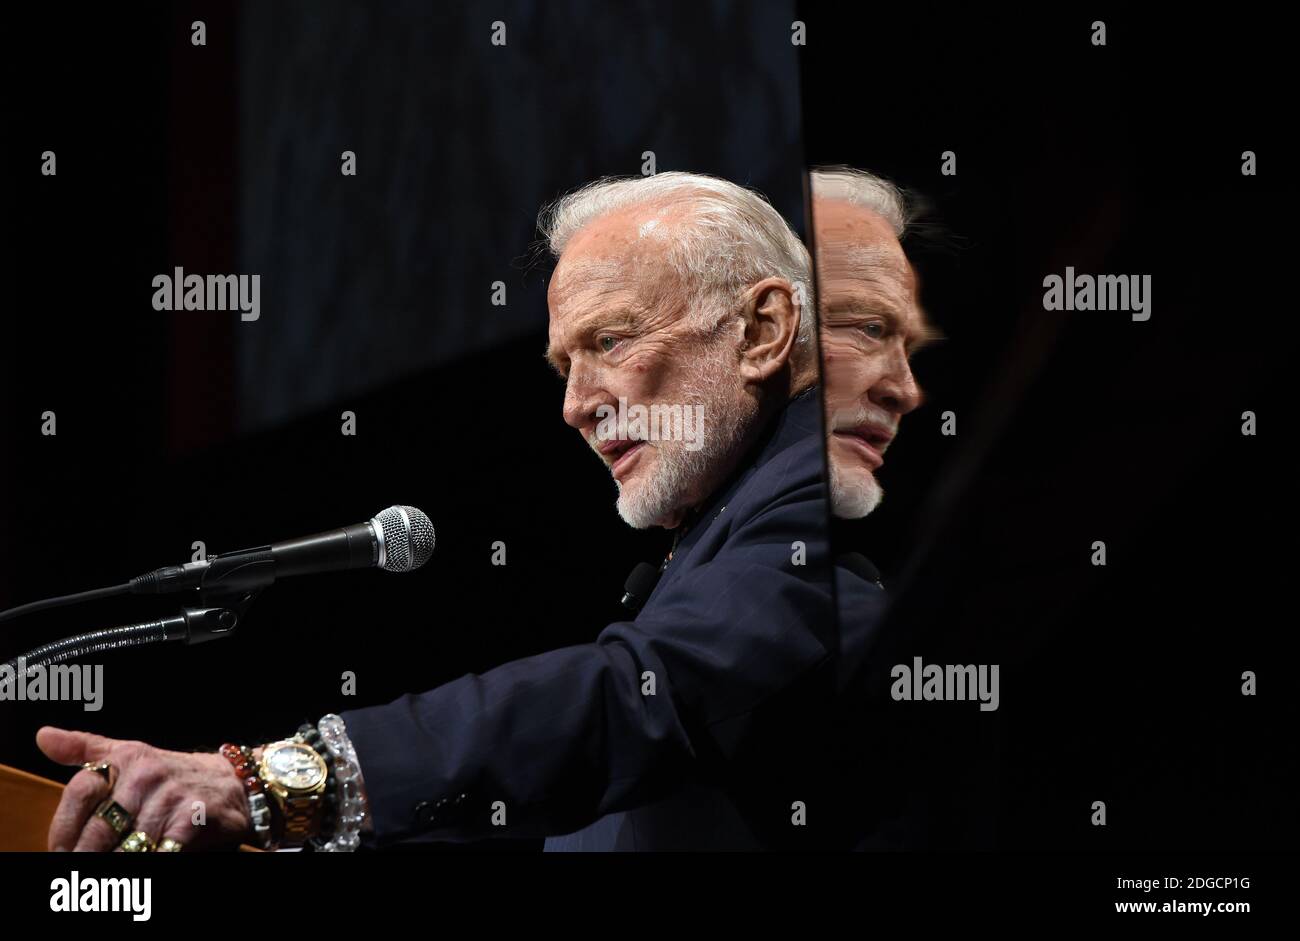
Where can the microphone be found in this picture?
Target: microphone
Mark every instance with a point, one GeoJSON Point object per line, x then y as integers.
{"type": "Point", "coordinates": [399, 539]}
{"type": "Point", "coordinates": [639, 585]}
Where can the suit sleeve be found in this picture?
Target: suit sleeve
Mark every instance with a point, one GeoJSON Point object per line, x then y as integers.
{"type": "Point", "coordinates": [565, 737]}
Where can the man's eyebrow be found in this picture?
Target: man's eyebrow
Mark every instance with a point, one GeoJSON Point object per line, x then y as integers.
{"type": "Point", "coordinates": [554, 361]}
{"type": "Point", "coordinates": [883, 306]}
{"type": "Point", "coordinates": [876, 305]}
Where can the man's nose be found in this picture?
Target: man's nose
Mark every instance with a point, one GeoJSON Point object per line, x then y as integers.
{"type": "Point", "coordinates": [897, 389]}
{"type": "Point", "coordinates": [582, 397]}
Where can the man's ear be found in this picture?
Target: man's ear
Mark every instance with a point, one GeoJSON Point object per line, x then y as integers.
{"type": "Point", "coordinates": [771, 313]}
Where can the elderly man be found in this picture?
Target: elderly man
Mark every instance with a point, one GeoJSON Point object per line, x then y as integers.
{"type": "Point", "coordinates": [871, 326]}
{"type": "Point", "coordinates": [679, 729]}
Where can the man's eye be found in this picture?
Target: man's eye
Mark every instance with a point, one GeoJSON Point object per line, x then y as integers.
{"type": "Point", "coordinates": [607, 343]}
{"type": "Point", "coordinates": [875, 329]}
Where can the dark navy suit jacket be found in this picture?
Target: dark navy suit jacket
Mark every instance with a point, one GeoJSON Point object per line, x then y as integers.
{"type": "Point", "coordinates": [735, 748]}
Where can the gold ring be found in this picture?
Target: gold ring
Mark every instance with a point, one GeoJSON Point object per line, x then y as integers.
{"type": "Point", "coordinates": [115, 815]}
{"type": "Point", "coordinates": [168, 845]}
{"type": "Point", "coordinates": [101, 768]}
{"type": "Point", "coordinates": [137, 842]}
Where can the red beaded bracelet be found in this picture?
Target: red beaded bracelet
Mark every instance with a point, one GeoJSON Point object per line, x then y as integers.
{"type": "Point", "coordinates": [241, 756]}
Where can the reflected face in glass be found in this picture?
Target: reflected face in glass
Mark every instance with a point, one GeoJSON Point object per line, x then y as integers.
{"type": "Point", "coordinates": [871, 325]}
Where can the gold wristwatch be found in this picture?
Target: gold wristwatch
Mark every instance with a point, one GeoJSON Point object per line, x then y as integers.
{"type": "Point", "coordinates": [294, 776]}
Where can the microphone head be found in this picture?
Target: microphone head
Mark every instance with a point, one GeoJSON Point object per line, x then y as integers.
{"type": "Point", "coordinates": [640, 583]}
{"type": "Point", "coordinates": [642, 579]}
{"type": "Point", "coordinates": [405, 538]}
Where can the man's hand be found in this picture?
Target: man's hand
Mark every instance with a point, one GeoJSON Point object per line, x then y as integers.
{"type": "Point", "coordinates": [157, 788]}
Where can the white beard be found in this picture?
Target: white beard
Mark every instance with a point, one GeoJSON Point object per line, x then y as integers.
{"type": "Point", "coordinates": [668, 487]}
{"type": "Point", "coordinates": [854, 494]}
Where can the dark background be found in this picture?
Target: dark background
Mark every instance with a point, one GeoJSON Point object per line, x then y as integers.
{"type": "Point", "coordinates": [1122, 683]}
{"type": "Point", "coordinates": [183, 426]}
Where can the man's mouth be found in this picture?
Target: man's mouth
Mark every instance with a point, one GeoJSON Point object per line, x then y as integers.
{"type": "Point", "coordinates": [619, 455]}
{"type": "Point", "coordinates": [869, 440]}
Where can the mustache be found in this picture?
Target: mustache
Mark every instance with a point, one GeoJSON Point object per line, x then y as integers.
{"type": "Point", "coordinates": [847, 419]}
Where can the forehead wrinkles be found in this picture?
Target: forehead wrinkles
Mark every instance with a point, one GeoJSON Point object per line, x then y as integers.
{"type": "Point", "coordinates": [599, 273]}
{"type": "Point", "coordinates": [845, 260]}
{"type": "Point", "coordinates": [854, 271]}
{"type": "Point", "coordinates": [591, 288]}
{"type": "Point", "coordinates": [585, 286]}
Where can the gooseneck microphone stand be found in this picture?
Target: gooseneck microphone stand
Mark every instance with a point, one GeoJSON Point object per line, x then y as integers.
{"type": "Point", "coordinates": [192, 626]}
{"type": "Point", "coordinates": [225, 595]}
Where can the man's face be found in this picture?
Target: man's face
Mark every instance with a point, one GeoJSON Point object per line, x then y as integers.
{"type": "Point", "coordinates": [618, 331]}
{"type": "Point", "coordinates": [871, 324]}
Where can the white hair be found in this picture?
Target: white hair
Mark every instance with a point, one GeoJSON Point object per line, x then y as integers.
{"type": "Point", "coordinates": [730, 238]}
{"type": "Point", "coordinates": [861, 188]}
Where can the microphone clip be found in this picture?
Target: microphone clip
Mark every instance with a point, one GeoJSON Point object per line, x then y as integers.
{"type": "Point", "coordinates": [224, 605]}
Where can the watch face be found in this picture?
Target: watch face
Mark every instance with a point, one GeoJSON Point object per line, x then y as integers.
{"type": "Point", "coordinates": [296, 766]}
